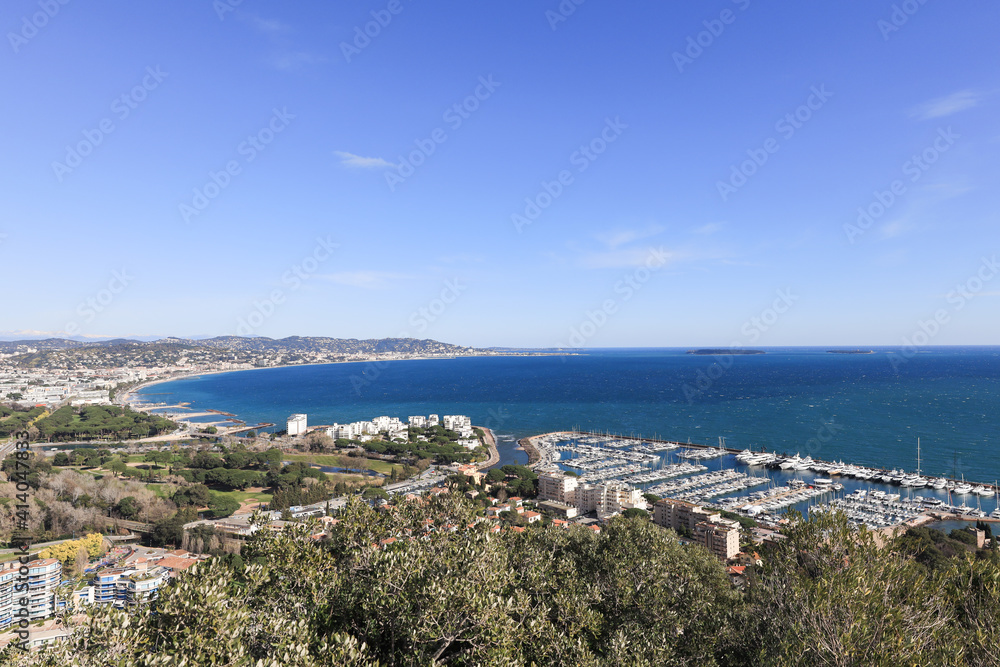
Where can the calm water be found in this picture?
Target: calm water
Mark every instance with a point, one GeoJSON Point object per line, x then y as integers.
{"type": "Point", "coordinates": [859, 408]}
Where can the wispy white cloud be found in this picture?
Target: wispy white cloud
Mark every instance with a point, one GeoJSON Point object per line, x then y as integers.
{"type": "Point", "coordinates": [946, 106]}
{"type": "Point", "coordinates": [710, 228]}
{"type": "Point", "coordinates": [625, 258]}
{"type": "Point", "coordinates": [895, 228]}
{"type": "Point", "coordinates": [620, 237]}
{"type": "Point", "coordinates": [366, 279]}
{"type": "Point", "coordinates": [292, 60]}
{"type": "Point", "coordinates": [352, 160]}
{"type": "Point", "coordinates": [267, 26]}
{"type": "Point", "coordinates": [461, 258]}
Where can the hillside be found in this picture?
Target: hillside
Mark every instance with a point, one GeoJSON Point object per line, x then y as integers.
{"type": "Point", "coordinates": [63, 353]}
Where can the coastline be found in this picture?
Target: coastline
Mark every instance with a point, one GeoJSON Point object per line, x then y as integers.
{"type": "Point", "coordinates": [491, 442]}
{"type": "Point", "coordinates": [538, 455]}
{"type": "Point", "coordinates": [124, 397]}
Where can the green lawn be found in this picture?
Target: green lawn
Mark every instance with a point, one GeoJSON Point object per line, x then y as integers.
{"type": "Point", "coordinates": [240, 496]}
{"type": "Point", "coordinates": [333, 460]}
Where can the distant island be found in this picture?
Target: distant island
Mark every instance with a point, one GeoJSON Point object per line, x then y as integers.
{"type": "Point", "coordinates": [850, 351]}
{"type": "Point", "coordinates": [716, 351]}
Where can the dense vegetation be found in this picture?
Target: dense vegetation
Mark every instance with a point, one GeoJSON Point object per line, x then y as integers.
{"type": "Point", "coordinates": [91, 422]}
{"type": "Point", "coordinates": [434, 443]}
{"type": "Point", "coordinates": [14, 418]}
{"type": "Point", "coordinates": [372, 593]}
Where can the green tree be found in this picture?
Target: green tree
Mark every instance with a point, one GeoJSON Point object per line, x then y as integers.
{"type": "Point", "coordinates": [127, 508]}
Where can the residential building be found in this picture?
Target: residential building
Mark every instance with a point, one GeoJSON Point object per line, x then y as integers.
{"type": "Point", "coordinates": [722, 539]}
{"type": "Point", "coordinates": [557, 508]}
{"type": "Point", "coordinates": [44, 576]}
{"type": "Point", "coordinates": [143, 587]}
{"type": "Point", "coordinates": [677, 514]}
{"type": "Point", "coordinates": [296, 424]}
{"type": "Point", "coordinates": [557, 486]}
{"type": "Point", "coordinates": [460, 424]}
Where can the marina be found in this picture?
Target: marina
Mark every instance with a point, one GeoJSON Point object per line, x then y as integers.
{"type": "Point", "coordinates": [722, 478]}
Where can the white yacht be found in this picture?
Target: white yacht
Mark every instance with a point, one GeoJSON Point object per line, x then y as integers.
{"type": "Point", "coordinates": [790, 463]}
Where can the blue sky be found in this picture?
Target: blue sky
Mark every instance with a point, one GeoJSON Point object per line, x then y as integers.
{"type": "Point", "coordinates": [209, 168]}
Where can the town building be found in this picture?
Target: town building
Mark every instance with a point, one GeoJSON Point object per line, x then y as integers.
{"type": "Point", "coordinates": [460, 424]}
{"type": "Point", "coordinates": [557, 486]}
{"type": "Point", "coordinates": [560, 509]}
{"type": "Point", "coordinates": [718, 535]}
{"type": "Point", "coordinates": [296, 424]}
{"type": "Point", "coordinates": [722, 539]}
{"type": "Point", "coordinates": [677, 514]}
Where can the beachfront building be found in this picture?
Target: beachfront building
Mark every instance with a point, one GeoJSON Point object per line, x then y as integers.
{"type": "Point", "coordinates": [460, 424]}
{"type": "Point", "coordinates": [296, 425]}
{"type": "Point", "coordinates": [388, 424]}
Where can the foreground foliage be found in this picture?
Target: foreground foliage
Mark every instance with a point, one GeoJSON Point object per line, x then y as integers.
{"type": "Point", "coordinates": [424, 585]}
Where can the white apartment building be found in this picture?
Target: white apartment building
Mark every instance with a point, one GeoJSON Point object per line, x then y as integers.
{"type": "Point", "coordinates": [458, 423]}
{"type": "Point", "coordinates": [296, 425]}
{"type": "Point", "coordinates": [337, 431]}
{"type": "Point", "coordinates": [388, 424]}
{"type": "Point", "coordinates": [557, 486]}
{"type": "Point", "coordinates": [44, 576]}
{"type": "Point", "coordinates": [417, 421]}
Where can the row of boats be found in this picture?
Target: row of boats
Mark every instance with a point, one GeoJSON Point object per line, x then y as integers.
{"type": "Point", "coordinates": [773, 499]}
{"type": "Point", "coordinates": [896, 477]}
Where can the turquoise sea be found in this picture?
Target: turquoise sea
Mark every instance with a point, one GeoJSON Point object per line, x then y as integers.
{"type": "Point", "coordinates": [861, 408]}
